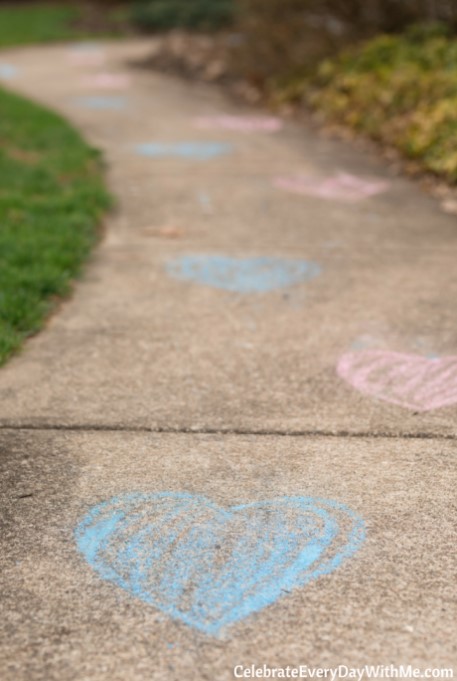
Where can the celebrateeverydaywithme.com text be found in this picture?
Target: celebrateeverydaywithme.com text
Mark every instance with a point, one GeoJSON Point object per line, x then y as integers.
{"type": "Point", "coordinates": [340, 672]}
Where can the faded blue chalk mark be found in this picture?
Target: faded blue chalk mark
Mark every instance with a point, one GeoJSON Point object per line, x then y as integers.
{"type": "Point", "coordinates": [200, 151]}
{"type": "Point", "coordinates": [205, 202]}
{"type": "Point", "coordinates": [8, 71]}
{"type": "Point", "coordinates": [102, 103]}
{"type": "Point", "coordinates": [425, 349]}
{"type": "Point", "coordinates": [243, 275]}
{"type": "Point", "coordinates": [209, 567]}
{"type": "Point", "coordinates": [363, 342]}
{"type": "Point", "coordinates": [86, 46]}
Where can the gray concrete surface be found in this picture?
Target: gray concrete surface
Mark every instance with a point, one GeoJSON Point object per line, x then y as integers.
{"type": "Point", "coordinates": [393, 602]}
{"type": "Point", "coordinates": [254, 376]}
{"type": "Point", "coordinates": [143, 350]}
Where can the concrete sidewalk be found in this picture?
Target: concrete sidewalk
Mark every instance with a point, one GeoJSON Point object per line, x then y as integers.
{"type": "Point", "coordinates": [257, 377]}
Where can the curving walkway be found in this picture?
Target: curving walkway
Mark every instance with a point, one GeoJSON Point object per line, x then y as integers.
{"type": "Point", "coordinates": [257, 374]}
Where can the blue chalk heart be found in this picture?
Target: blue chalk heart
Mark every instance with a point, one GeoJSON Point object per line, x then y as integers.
{"type": "Point", "coordinates": [102, 103]}
{"type": "Point", "coordinates": [86, 46]}
{"type": "Point", "coordinates": [210, 567]}
{"type": "Point", "coordinates": [8, 71]}
{"type": "Point", "coordinates": [200, 151]}
{"type": "Point", "coordinates": [243, 275]}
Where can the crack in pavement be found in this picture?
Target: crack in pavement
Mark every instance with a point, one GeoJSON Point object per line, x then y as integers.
{"type": "Point", "coordinates": [105, 428]}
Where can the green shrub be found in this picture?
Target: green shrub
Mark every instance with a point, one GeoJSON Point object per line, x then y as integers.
{"type": "Point", "coordinates": [160, 15]}
{"type": "Point", "coordinates": [280, 39]}
{"type": "Point", "coordinates": [285, 37]}
{"type": "Point", "coordinates": [401, 90]}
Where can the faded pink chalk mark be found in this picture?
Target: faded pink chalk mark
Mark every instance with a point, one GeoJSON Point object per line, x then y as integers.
{"type": "Point", "coordinates": [342, 186]}
{"type": "Point", "coordinates": [107, 81]}
{"type": "Point", "coordinates": [240, 123]}
{"type": "Point", "coordinates": [410, 381]}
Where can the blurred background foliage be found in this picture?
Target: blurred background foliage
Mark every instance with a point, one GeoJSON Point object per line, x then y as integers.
{"type": "Point", "coordinates": [161, 15]}
{"type": "Point", "coordinates": [26, 22]}
{"type": "Point", "coordinates": [283, 36]}
{"type": "Point", "coordinates": [398, 89]}
{"type": "Point", "coordinates": [387, 68]}
{"type": "Point", "coordinates": [20, 25]}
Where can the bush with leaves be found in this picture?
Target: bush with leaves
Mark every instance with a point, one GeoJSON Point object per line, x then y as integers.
{"type": "Point", "coordinates": [161, 15]}
{"type": "Point", "coordinates": [283, 37]}
{"type": "Point", "coordinates": [401, 90]}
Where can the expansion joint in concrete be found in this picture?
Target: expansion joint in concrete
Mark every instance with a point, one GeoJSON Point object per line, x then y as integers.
{"type": "Point", "coordinates": [105, 428]}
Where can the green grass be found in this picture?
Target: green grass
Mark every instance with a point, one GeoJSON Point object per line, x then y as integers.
{"type": "Point", "coordinates": [52, 197]}
{"type": "Point", "coordinates": [47, 22]}
{"type": "Point", "coordinates": [400, 90]}
{"type": "Point", "coordinates": [37, 24]}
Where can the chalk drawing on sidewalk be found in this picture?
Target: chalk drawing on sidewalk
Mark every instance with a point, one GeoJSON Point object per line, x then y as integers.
{"type": "Point", "coordinates": [86, 54]}
{"type": "Point", "coordinates": [198, 151]}
{"type": "Point", "coordinates": [239, 123]}
{"type": "Point", "coordinates": [106, 81]}
{"type": "Point", "coordinates": [210, 567]}
{"type": "Point", "coordinates": [102, 103]}
{"type": "Point", "coordinates": [340, 187]}
{"type": "Point", "coordinates": [410, 381]}
{"type": "Point", "coordinates": [243, 275]}
{"type": "Point", "coordinates": [85, 46]}
{"type": "Point", "coordinates": [206, 204]}
{"type": "Point", "coordinates": [8, 71]}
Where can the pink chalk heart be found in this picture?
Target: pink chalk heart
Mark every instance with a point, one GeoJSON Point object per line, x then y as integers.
{"type": "Point", "coordinates": [240, 123]}
{"type": "Point", "coordinates": [341, 187]}
{"type": "Point", "coordinates": [107, 81]}
{"type": "Point", "coordinates": [410, 381]}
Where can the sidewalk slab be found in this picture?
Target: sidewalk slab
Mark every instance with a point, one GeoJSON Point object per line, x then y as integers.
{"type": "Point", "coordinates": [392, 601]}
{"type": "Point", "coordinates": [138, 347]}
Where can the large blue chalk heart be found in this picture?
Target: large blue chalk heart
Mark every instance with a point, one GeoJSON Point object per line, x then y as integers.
{"type": "Point", "coordinates": [243, 275]}
{"type": "Point", "coordinates": [211, 567]}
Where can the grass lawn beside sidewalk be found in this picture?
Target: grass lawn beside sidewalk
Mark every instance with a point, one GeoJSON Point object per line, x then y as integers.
{"type": "Point", "coordinates": [34, 23]}
{"type": "Point", "coordinates": [52, 198]}
{"type": "Point", "coordinates": [37, 23]}
{"type": "Point", "coordinates": [52, 193]}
